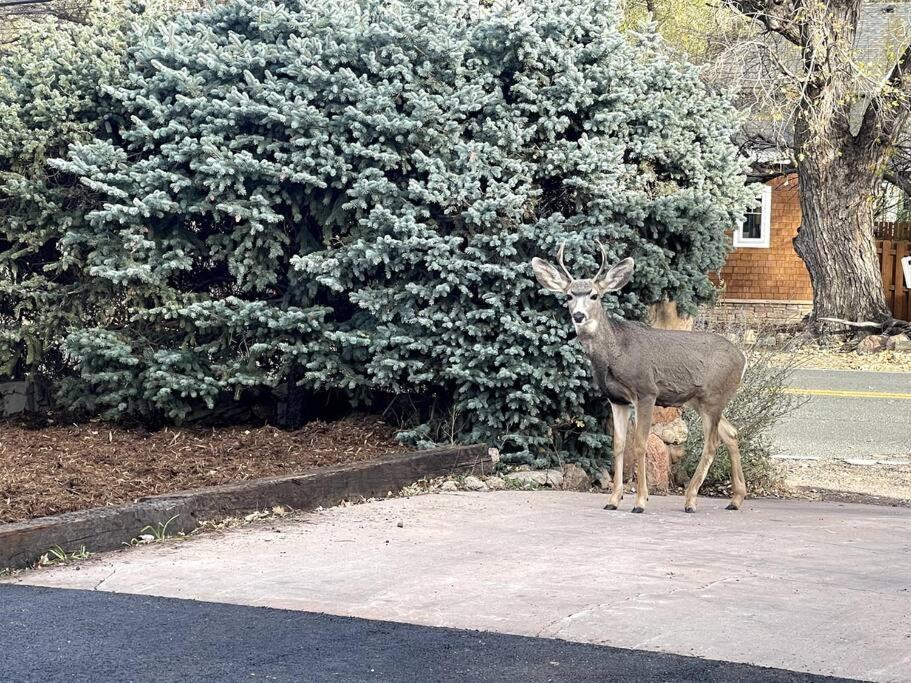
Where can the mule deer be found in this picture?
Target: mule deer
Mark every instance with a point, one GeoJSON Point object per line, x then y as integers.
{"type": "Point", "coordinates": [638, 367]}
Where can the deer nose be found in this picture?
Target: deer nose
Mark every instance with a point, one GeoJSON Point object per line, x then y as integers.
{"type": "Point", "coordinates": [578, 317]}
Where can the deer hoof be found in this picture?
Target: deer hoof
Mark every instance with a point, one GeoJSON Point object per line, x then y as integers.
{"type": "Point", "coordinates": [637, 509]}
{"type": "Point", "coordinates": [610, 507]}
{"type": "Point", "coordinates": [689, 509]}
{"type": "Point", "coordinates": [731, 506]}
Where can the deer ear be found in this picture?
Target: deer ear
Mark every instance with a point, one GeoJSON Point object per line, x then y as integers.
{"type": "Point", "coordinates": [549, 277]}
{"type": "Point", "coordinates": [617, 277]}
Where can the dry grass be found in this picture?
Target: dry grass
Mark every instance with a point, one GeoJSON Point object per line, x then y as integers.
{"type": "Point", "coordinates": [811, 356]}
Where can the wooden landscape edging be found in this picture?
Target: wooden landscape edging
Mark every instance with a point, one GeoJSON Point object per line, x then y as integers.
{"type": "Point", "coordinates": [107, 528]}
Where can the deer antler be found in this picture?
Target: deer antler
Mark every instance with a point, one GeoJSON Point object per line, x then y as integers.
{"type": "Point", "coordinates": [603, 260]}
{"type": "Point", "coordinates": [560, 260]}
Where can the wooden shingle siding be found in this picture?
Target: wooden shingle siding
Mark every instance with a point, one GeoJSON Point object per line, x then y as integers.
{"type": "Point", "coordinates": [775, 273]}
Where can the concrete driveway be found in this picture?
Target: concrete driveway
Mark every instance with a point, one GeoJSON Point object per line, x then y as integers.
{"type": "Point", "coordinates": [850, 414]}
{"type": "Point", "coordinates": [821, 588]}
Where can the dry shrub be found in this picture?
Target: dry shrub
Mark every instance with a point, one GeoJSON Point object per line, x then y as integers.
{"type": "Point", "coordinates": [760, 403]}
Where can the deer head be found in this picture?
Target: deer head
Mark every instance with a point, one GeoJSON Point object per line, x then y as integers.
{"type": "Point", "coordinates": [583, 297]}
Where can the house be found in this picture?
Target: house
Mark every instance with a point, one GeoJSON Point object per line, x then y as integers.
{"type": "Point", "coordinates": [764, 280]}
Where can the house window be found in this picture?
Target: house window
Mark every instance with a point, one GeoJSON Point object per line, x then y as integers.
{"type": "Point", "coordinates": [757, 225]}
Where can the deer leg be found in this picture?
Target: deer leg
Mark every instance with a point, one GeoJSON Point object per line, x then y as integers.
{"type": "Point", "coordinates": [738, 484]}
{"type": "Point", "coordinates": [710, 431]}
{"type": "Point", "coordinates": [644, 408]}
{"type": "Point", "coordinates": [620, 414]}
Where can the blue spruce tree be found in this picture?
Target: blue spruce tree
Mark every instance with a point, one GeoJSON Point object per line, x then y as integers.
{"type": "Point", "coordinates": [348, 194]}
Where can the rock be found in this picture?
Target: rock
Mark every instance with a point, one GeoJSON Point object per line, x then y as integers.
{"type": "Point", "coordinates": [671, 432]}
{"type": "Point", "coordinates": [749, 337]}
{"type": "Point", "coordinates": [575, 478]}
{"type": "Point", "coordinates": [629, 462]}
{"type": "Point", "coordinates": [665, 415]}
{"type": "Point", "coordinates": [676, 455]}
{"type": "Point", "coordinates": [495, 483]}
{"type": "Point", "coordinates": [657, 465]}
{"type": "Point", "coordinates": [552, 478]}
{"type": "Point", "coordinates": [899, 342]}
{"type": "Point", "coordinates": [472, 483]}
{"type": "Point", "coordinates": [533, 478]}
{"type": "Point", "coordinates": [449, 486]}
{"type": "Point", "coordinates": [665, 316]}
{"type": "Point", "coordinates": [872, 344]}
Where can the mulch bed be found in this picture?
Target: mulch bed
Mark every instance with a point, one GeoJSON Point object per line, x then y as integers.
{"type": "Point", "coordinates": [65, 468]}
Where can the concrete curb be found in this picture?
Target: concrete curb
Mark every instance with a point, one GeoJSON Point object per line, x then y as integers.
{"type": "Point", "coordinates": [98, 529]}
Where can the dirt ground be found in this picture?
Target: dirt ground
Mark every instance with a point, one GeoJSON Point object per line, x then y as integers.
{"type": "Point", "coordinates": [74, 467]}
{"type": "Point", "coordinates": [814, 357]}
{"type": "Point", "coordinates": [832, 479]}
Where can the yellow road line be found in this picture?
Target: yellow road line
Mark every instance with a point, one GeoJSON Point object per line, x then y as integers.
{"type": "Point", "coordinates": [846, 394]}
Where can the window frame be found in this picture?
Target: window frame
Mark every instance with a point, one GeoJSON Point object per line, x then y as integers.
{"type": "Point", "coordinates": [765, 224]}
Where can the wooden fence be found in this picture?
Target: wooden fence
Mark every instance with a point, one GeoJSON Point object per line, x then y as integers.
{"type": "Point", "coordinates": [898, 295]}
{"type": "Point", "coordinates": [892, 231]}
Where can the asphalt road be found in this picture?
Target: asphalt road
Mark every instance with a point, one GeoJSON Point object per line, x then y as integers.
{"type": "Point", "coordinates": [51, 634]}
{"type": "Point", "coordinates": [850, 414]}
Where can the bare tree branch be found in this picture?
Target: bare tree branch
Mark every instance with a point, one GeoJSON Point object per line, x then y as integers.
{"type": "Point", "coordinates": [777, 16]}
{"type": "Point", "coordinates": [889, 108]}
{"type": "Point", "coordinates": [901, 181]}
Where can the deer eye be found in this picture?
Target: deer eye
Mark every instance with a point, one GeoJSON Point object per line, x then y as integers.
{"type": "Point", "coordinates": [593, 297]}
{"type": "Point", "coordinates": [569, 297]}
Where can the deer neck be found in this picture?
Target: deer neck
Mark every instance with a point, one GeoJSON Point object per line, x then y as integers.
{"type": "Point", "coordinates": [598, 336]}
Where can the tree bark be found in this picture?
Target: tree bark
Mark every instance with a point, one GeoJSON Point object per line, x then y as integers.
{"type": "Point", "coordinates": [838, 169]}
{"type": "Point", "coordinates": [835, 239]}
{"type": "Point", "coordinates": [665, 316]}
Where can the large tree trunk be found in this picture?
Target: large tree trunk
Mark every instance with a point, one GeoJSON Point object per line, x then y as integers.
{"type": "Point", "coordinates": [835, 239]}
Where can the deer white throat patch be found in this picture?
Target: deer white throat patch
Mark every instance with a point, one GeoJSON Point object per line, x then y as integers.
{"type": "Point", "coordinates": [587, 327]}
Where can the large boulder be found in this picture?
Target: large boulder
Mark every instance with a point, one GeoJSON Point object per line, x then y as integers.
{"type": "Point", "coordinates": [668, 424]}
{"type": "Point", "coordinates": [657, 467]}
{"type": "Point", "coordinates": [657, 464]}
{"type": "Point", "coordinates": [671, 432]}
{"type": "Point", "coordinates": [665, 415]}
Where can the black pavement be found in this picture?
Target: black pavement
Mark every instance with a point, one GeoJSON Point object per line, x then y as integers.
{"type": "Point", "coordinates": [49, 634]}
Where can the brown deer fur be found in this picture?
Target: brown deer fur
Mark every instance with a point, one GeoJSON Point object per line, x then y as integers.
{"type": "Point", "coordinates": [638, 367]}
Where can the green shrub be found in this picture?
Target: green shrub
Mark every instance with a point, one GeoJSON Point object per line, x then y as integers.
{"type": "Point", "coordinates": [349, 194]}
